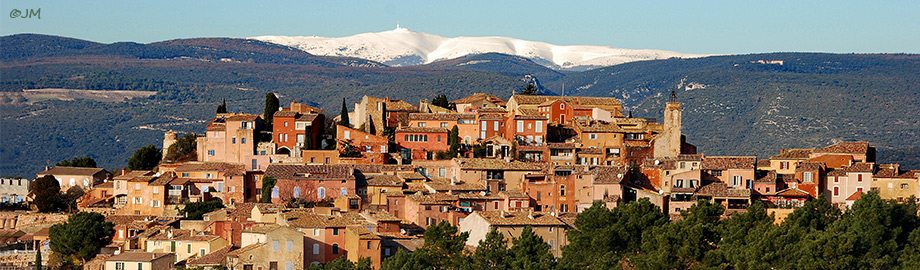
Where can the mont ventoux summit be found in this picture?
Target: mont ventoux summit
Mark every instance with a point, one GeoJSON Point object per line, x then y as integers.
{"type": "Point", "coordinates": [402, 150]}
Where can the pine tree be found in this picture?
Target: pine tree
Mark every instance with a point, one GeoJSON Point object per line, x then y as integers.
{"type": "Point", "coordinates": [38, 258]}
{"type": "Point", "coordinates": [492, 252]}
{"type": "Point", "coordinates": [530, 252]}
{"type": "Point", "coordinates": [530, 89]}
{"type": "Point", "coordinates": [47, 192]}
{"type": "Point", "coordinates": [271, 106]}
{"type": "Point", "coordinates": [344, 116]}
{"type": "Point", "coordinates": [268, 183]}
{"type": "Point", "coordinates": [222, 108]}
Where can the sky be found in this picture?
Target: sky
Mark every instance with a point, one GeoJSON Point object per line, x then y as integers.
{"type": "Point", "coordinates": [702, 27]}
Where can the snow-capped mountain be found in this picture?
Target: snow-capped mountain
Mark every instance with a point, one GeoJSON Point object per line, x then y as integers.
{"type": "Point", "coordinates": [404, 47]}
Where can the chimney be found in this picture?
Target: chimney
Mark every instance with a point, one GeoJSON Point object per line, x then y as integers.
{"type": "Point", "coordinates": [530, 215]}
{"type": "Point", "coordinates": [782, 151]}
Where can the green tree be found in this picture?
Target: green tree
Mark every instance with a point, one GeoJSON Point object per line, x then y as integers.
{"type": "Point", "coordinates": [683, 244]}
{"type": "Point", "coordinates": [440, 101]}
{"type": "Point", "coordinates": [492, 252]}
{"type": "Point", "coordinates": [38, 259]}
{"type": "Point", "coordinates": [443, 248]}
{"type": "Point", "coordinates": [530, 252]}
{"type": "Point", "coordinates": [222, 108]}
{"type": "Point", "coordinates": [271, 106]}
{"type": "Point", "coordinates": [530, 89]}
{"type": "Point", "coordinates": [183, 149]}
{"type": "Point", "coordinates": [81, 236]}
{"type": "Point", "coordinates": [69, 199]}
{"type": "Point", "coordinates": [748, 239]}
{"type": "Point", "coordinates": [454, 140]}
{"type": "Point", "coordinates": [145, 158]}
{"type": "Point", "coordinates": [344, 115]}
{"type": "Point", "coordinates": [196, 210]}
{"type": "Point", "coordinates": [47, 192]}
{"type": "Point", "coordinates": [268, 183]}
{"type": "Point", "coordinates": [349, 150]}
{"type": "Point", "coordinates": [87, 162]}
{"type": "Point", "coordinates": [602, 236]}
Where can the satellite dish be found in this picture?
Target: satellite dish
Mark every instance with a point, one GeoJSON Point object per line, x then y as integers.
{"type": "Point", "coordinates": [402, 231]}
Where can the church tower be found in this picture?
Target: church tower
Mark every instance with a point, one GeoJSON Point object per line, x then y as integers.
{"type": "Point", "coordinates": [668, 142]}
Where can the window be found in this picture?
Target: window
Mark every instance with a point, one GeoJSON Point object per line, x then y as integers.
{"type": "Point", "coordinates": [905, 186]}
{"type": "Point", "coordinates": [285, 123]}
{"type": "Point", "coordinates": [316, 232]}
{"type": "Point", "coordinates": [859, 189]}
{"type": "Point", "coordinates": [140, 266]}
{"type": "Point", "coordinates": [138, 200]}
{"type": "Point", "coordinates": [315, 249]}
{"type": "Point", "coordinates": [444, 124]}
{"type": "Point", "coordinates": [156, 190]}
{"type": "Point", "coordinates": [275, 192]}
{"type": "Point", "coordinates": [552, 244]}
{"type": "Point", "coordinates": [784, 165]}
{"type": "Point", "coordinates": [520, 126]}
{"type": "Point", "coordinates": [562, 190]}
{"type": "Point", "coordinates": [290, 245]}
{"type": "Point", "coordinates": [529, 126]}
{"type": "Point", "coordinates": [442, 172]}
{"type": "Point", "coordinates": [386, 252]}
{"type": "Point", "coordinates": [807, 176]}
{"type": "Point", "coordinates": [290, 265]}
{"type": "Point", "coordinates": [137, 186]}
{"type": "Point", "coordinates": [321, 192]}
{"type": "Point", "coordinates": [210, 152]}
{"type": "Point", "coordinates": [736, 180]}
{"type": "Point", "coordinates": [539, 126]}
{"type": "Point", "coordinates": [154, 203]}
{"type": "Point", "coordinates": [208, 176]}
{"type": "Point", "coordinates": [495, 125]}
{"type": "Point", "coordinates": [335, 248]}
{"type": "Point", "coordinates": [716, 172]}
{"type": "Point", "coordinates": [275, 245]}
{"type": "Point", "coordinates": [592, 136]}
{"type": "Point", "coordinates": [859, 177]}
{"type": "Point", "coordinates": [296, 192]}
{"type": "Point", "coordinates": [347, 134]}
{"type": "Point", "coordinates": [120, 266]}
{"type": "Point", "coordinates": [421, 124]}
{"type": "Point", "coordinates": [383, 149]}
{"type": "Point", "coordinates": [679, 183]}
{"type": "Point", "coordinates": [836, 191]}
{"type": "Point", "coordinates": [343, 191]}
{"type": "Point", "coordinates": [836, 179]}
{"type": "Point", "coordinates": [243, 140]}
{"type": "Point", "coordinates": [189, 249]}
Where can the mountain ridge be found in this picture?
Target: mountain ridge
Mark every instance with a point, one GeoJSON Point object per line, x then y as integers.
{"type": "Point", "coordinates": [404, 47]}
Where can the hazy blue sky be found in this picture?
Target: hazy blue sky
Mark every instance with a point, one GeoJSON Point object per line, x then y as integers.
{"type": "Point", "coordinates": [716, 27]}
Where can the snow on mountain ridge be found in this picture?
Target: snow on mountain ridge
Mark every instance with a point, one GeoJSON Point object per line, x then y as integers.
{"type": "Point", "coordinates": [403, 47]}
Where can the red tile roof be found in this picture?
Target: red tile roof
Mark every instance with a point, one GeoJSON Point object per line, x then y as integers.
{"type": "Point", "coordinates": [440, 116]}
{"type": "Point", "coordinates": [310, 172]}
{"type": "Point", "coordinates": [137, 257]}
{"type": "Point", "coordinates": [846, 148]}
{"type": "Point", "coordinates": [501, 218]}
{"type": "Point", "coordinates": [794, 154]}
{"type": "Point", "coordinates": [480, 96]}
{"type": "Point", "coordinates": [64, 170]}
{"type": "Point", "coordinates": [729, 162]}
{"type": "Point", "coordinates": [421, 130]}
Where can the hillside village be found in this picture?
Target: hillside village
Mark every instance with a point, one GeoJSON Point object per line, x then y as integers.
{"type": "Point", "coordinates": [302, 187]}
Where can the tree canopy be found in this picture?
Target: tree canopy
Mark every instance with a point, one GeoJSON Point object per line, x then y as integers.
{"type": "Point", "coordinates": [196, 210]}
{"type": "Point", "coordinates": [268, 183]}
{"type": "Point", "coordinates": [81, 236]}
{"type": "Point", "coordinates": [184, 149]}
{"type": "Point", "coordinates": [271, 106]}
{"type": "Point", "coordinates": [47, 192]}
{"type": "Point", "coordinates": [145, 158]}
{"type": "Point", "coordinates": [222, 108]}
{"type": "Point", "coordinates": [530, 89]}
{"type": "Point", "coordinates": [87, 162]}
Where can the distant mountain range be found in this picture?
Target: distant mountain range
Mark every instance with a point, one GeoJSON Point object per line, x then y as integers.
{"type": "Point", "coordinates": [404, 47]}
{"type": "Point", "coordinates": [733, 105]}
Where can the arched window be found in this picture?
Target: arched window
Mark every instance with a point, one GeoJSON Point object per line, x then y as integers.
{"type": "Point", "coordinates": [335, 248]}
{"type": "Point", "coordinates": [296, 192]}
{"type": "Point", "coordinates": [321, 192]}
{"type": "Point", "coordinates": [315, 249]}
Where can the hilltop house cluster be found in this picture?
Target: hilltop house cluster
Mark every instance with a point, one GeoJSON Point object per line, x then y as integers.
{"type": "Point", "coordinates": [530, 161]}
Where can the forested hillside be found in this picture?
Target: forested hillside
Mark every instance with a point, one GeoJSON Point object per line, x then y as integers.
{"type": "Point", "coordinates": [731, 105]}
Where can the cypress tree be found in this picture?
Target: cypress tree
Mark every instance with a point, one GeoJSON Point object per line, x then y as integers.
{"type": "Point", "coordinates": [344, 116]}
{"type": "Point", "coordinates": [271, 106]}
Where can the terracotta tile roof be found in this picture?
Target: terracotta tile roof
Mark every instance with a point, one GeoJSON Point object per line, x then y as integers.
{"type": "Point", "coordinates": [132, 174]}
{"type": "Point", "coordinates": [480, 96]}
{"type": "Point", "coordinates": [285, 114]}
{"type": "Point", "coordinates": [491, 116]}
{"type": "Point", "coordinates": [534, 100]}
{"type": "Point", "coordinates": [440, 116]}
{"type": "Point", "coordinates": [834, 161]}
{"type": "Point", "coordinates": [513, 194]}
{"type": "Point", "coordinates": [310, 172]}
{"type": "Point", "coordinates": [443, 184]}
{"type": "Point", "coordinates": [809, 166]}
{"type": "Point", "coordinates": [500, 218]}
{"type": "Point", "coordinates": [262, 228]}
{"type": "Point", "coordinates": [560, 145]}
{"type": "Point", "coordinates": [162, 180]}
{"type": "Point", "coordinates": [792, 192]}
{"type": "Point", "coordinates": [599, 127]}
{"type": "Point", "coordinates": [184, 235]}
{"type": "Point", "coordinates": [492, 110]}
{"type": "Point", "coordinates": [137, 257]}
{"type": "Point", "coordinates": [836, 172]}
{"type": "Point", "coordinates": [127, 219]}
{"type": "Point", "coordinates": [768, 177]}
{"type": "Point", "coordinates": [855, 196]}
{"type": "Point", "coordinates": [309, 117]}
{"type": "Point", "coordinates": [530, 117]}
{"type": "Point", "coordinates": [433, 198]}
{"type": "Point", "coordinates": [107, 184]}
{"type": "Point", "coordinates": [399, 105]}
{"type": "Point", "coordinates": [689, 157]}
{"type": "Point", "coordinates": [722, 190]}
{"type": "Point", "coordinates": [63, 170]}
{"type": "Point", "coordinates": [729, 163]}
{"type": "Point", "coordinates": [217, 126]}
{"type": "Point", "coordinates": [213, 258]}
{"type": "Point", "coordinates": [846, 148]}
{"type": "Point", "coordinates": [421, 130]}
{"type": "Point", "coordinates": [363, 233]}
{"type": "Point", "coordinates": [478, 196]}
{"type": "Point", "coordinates": [662, 163]}
{"type": "Point", "coordinates": [495, 164]}
{"type": "Point", "coordinates": [861, 167]}
{"type": "Point", "coordinates": [245, 250]}
{"type": "Point", "coordinates": [413, 175]}
{"type": "Point", "coordinates": [765, 163]}
{"type": "Point", "coordinates": [794, 154]}
{"type": "Point", "coordinates": [786, 177]}
{"type": "Point", "coordinates": [380, 216]}
{"type": "Point", "coordinates": [384, 180]}
{"type": "Point", "coordinates": [243, 117]}
{"type": "Point", "coordinates": [380, 168]}
{"type": "Point", "coordinates": [609, 175]}
{"type": "Point", "coordinates": [211, 166]}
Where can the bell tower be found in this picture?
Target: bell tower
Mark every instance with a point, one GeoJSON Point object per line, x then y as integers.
{"type": "Point", "coordinates": [668, 142]}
